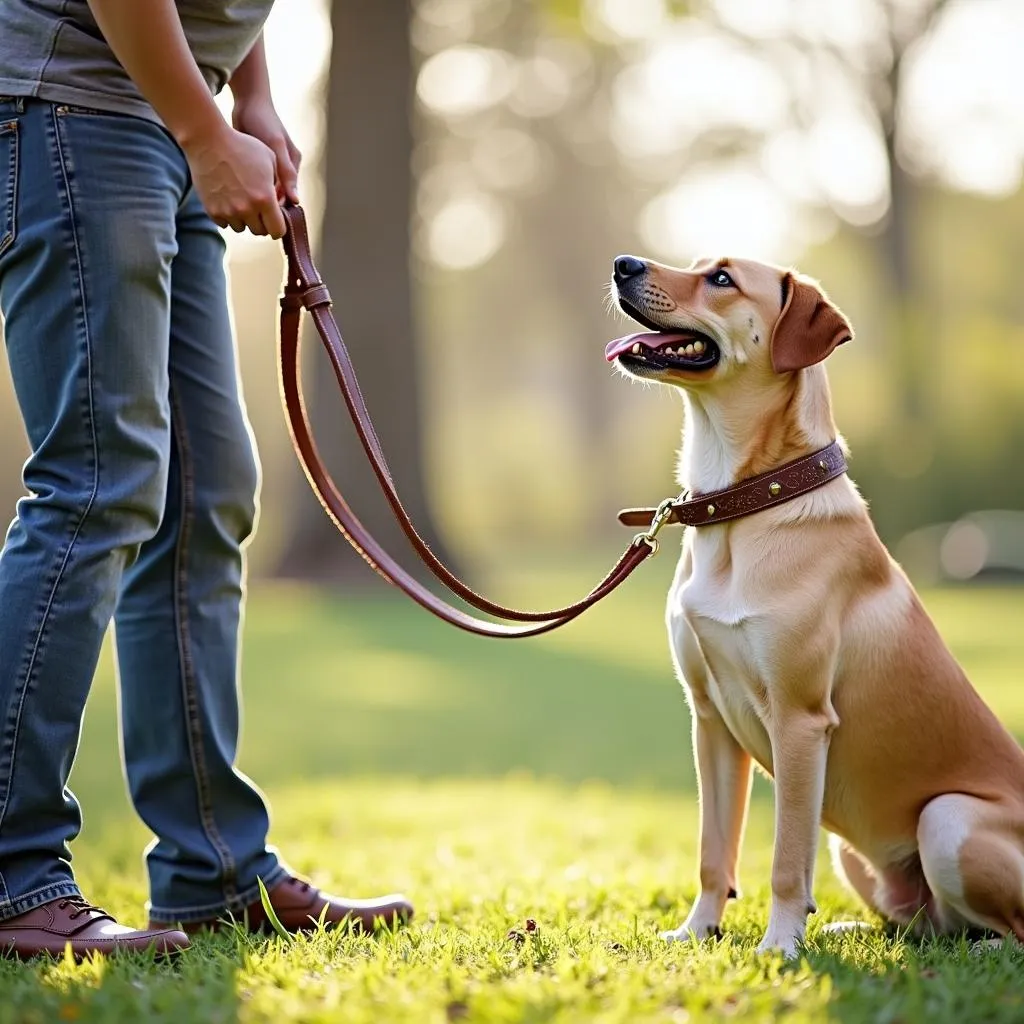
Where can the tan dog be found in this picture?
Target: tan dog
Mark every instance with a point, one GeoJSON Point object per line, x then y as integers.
{"type": "Point", "coordinates": [801, 643]}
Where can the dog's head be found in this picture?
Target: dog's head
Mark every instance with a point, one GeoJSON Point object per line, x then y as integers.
{"type": "Point", "coordinates": [721, 320]}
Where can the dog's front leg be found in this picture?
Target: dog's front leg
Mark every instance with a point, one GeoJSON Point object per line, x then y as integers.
{"type": "Point", "coordinates": [800, 740]}
{"type": "Point", "coordinates": [723, 771]}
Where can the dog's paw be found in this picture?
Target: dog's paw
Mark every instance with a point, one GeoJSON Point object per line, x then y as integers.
{"type": "Point", "coordinates": [982, 946]}
{"type": "Point", "coordinates": [695, 932]}
{"type": "Point", "coordinates": [787, 945]}
{"type": "Point", "coordinates": [846, 927]}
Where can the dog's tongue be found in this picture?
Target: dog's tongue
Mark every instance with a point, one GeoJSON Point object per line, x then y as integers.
{"type": "Point", "coordinates": [653, 339]}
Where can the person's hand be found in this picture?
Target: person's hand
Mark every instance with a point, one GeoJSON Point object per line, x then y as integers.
{"type": "Point", "coordinates": [236, 178]}
{"type": "Point", "coordinates": [260, 119]}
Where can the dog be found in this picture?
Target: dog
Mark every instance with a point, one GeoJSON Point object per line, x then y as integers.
{"type": "Point", "coordinates": [801, 644]}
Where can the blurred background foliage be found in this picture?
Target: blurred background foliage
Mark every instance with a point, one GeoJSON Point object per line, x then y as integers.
{"type": "Point", "coordinates": [475, 165]}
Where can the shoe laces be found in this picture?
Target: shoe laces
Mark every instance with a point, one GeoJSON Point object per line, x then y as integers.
{"type": "Point", "coordinates": [81, 905]}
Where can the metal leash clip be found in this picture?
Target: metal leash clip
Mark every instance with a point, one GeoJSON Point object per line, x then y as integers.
{"type": "Point", "coordinates": [661, 517]}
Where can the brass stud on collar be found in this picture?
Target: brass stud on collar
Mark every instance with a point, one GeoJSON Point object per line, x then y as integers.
{"type": "Point", "coordinates": [711, 510]}
{"type": "Point", "coordinates": [823, 466]}
{"type": "Point", "coordinates": [775, 489]}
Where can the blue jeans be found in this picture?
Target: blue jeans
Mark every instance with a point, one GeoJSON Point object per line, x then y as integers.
{"type": "Point", "coordinates": [141, 495]}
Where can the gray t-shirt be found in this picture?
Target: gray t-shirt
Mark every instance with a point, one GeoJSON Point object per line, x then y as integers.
{"type": "Point", "coordinates": [53, 49]}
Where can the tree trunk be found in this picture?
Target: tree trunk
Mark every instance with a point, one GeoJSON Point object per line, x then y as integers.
{"type": "Point", "coordinates": [908, 341]}
{"type": "Point", "coordinates": [364, 260]}
{"type": "Point", "coordinates": [895, 246]}
{"type": "Point", "coordinates": [906, 337]}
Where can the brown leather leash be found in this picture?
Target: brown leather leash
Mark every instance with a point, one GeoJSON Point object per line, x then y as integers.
{"type": "Point", "coordinates": [305, 290]}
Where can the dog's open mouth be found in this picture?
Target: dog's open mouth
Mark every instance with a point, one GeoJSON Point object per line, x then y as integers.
{"type": "Point", "coordinates": [662, 349]}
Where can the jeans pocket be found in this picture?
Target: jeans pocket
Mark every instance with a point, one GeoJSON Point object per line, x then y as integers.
{"type": "Point", "coordinates": [8, 183]}
{"type": "Point", "coordinates": [74, 110]}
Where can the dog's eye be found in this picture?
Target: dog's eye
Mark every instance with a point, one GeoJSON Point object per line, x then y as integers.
{"type": "Point", "coordinates": [722, 279]}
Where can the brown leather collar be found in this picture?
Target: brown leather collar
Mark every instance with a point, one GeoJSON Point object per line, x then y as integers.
{"type": "Point", "coordinates": [751, 495]}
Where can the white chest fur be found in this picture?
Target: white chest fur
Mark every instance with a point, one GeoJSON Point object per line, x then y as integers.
{"type": "Point", "coordinates": [718, 642]}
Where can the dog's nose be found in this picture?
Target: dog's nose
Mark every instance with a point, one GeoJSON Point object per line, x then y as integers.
{"type": "Point", "coordinates": [627, 267]}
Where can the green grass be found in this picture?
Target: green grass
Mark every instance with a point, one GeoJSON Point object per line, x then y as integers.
{"type": "Point", "coordinates": [495, 782]}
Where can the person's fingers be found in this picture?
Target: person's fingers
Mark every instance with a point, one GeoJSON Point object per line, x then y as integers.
{"type": "Point", "coordinates": [254, 222]}
{"type": "Point", "coordinates": [287, 170]}
{"type": "Point", "coordinates": [273, 219]}
{"type": "Point", "coordinates": [240, 191]}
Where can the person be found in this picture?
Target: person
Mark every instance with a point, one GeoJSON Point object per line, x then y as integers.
{"type": "Point", "coordinates": [116, 171]}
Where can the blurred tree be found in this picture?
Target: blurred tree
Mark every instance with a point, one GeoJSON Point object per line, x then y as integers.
{"type": "Point", "coordinates": [364, 259]}
{"type": "Point", "coordinates": [569, 206]}
{"type": "Point", "coordinates": [894, 243]}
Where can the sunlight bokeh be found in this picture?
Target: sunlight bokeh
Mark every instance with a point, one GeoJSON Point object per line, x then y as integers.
{"type": "Point", "coordinates": [788, 72]}
{"type": "Point", "coordinates": [964, 98]}
{"type": "Point", "coordinates": [465, 232]}
{"type": "Point", "coordinates": [722, 212]}
{"type": "Point", "coordinates": [463, 80]}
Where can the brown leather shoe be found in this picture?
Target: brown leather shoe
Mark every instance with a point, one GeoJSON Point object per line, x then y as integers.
{"type": "Point", "coordinates": [298, 906]}
{"type": "Point", "coordinates": [70, 921]}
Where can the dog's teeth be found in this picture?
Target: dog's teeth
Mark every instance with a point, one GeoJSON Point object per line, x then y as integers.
{"type": "Point", "coordinates": [698, 347]}
{"type": "Point", "coordinates": [690, 350]}
{"type": "Point", "coordinates": [669, 350]}
{"type": "Point", "coordinates": [636, 349]}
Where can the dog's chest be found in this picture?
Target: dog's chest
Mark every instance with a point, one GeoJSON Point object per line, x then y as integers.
{"type": "Point", "coordinates": [718, 645]}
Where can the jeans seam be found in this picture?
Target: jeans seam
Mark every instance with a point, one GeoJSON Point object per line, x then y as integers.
{"type": "Point", "coordinates": [196, 913]}
{"type": "Point", "coordinates": [36, 898]}
{"type": "Point", "coordinates": [7, 240]}
{"type": "Point", "coordinates": [188, 679]}
{"type": "Point", "coordinates": [64, 165]}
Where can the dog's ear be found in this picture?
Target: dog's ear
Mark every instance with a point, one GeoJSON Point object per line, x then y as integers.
{"type": "Point", "coordinates": [808, 329]}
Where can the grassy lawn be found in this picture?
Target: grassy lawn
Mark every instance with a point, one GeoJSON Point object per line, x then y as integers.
{"type": "Point", "coordinates": [495, 782]}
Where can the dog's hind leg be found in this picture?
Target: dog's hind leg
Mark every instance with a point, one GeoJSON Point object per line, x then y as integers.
{"type": "Point", "coordinates": [858, 874]}
{"type": "Point", "coordinates": [855, 870]}
{"type": "Point", "coordinates": [972, 858]}
{"type": "Point", "coordinates": [897, 892]}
